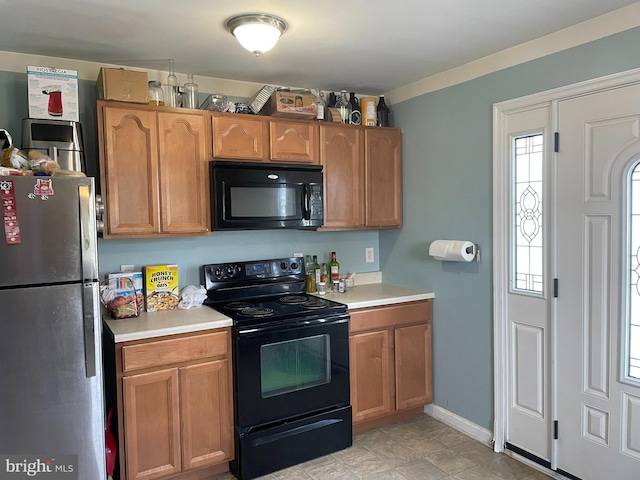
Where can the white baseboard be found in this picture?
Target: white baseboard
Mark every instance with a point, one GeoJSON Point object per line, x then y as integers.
{"type": "Point", "coordinates": [461, 424]}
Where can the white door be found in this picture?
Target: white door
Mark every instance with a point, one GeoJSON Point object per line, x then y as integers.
{"type": "Point", "coordinates": [598, 409]}
{"type": "Point", "coordinates": [530, 288]}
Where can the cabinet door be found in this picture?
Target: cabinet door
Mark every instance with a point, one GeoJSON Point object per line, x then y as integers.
{"type": "Point", "coordinates": [413, 366]}
{"type": "Point", "coordinates": [207, 424]}
{"type": "Point", "coordinates": [383, 172]}
{"type": "Point", "coordinates": [152, 424]}
{"type": "Point", "coordinates": [371, 370]}
{"type": "Point", "coordinates": [295, 142]}
{"type": "Point", "coordinates": [240, 137]}
{"type": "Point", "coordinates": [130, 171]}
{"type": "Point", "coordinates": [183, 156]}
{"type": "Point", "coordinates": [341, 157]}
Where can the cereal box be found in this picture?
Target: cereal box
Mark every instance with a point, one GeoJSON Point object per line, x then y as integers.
{"type": "Point", "coordinates": [117, 282]}
{"type": "Point", "coordinates": [161, 287]}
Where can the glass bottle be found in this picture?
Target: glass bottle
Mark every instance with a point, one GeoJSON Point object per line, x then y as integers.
{"type": "Point", "coordinates": [356, 116]}
{"type": "Point", "coordinates": [322, 104]}
{"type": "Point", "coordinates": [332, 99]}
{"type": "Point", "coordinates": [310, 279]}
{"type": "Point", "coordinates": [344, 107]}
{"type": "Point", "coordinates": [334, 267]}
{"type": "Point", "coordinates": [324, 273]}
{"type": "Point", "coordinates": [172, 86]}
{"type": "Point", "coordinates": [316, 267]}
{"type": "Point", "coordinates": [190, 98]}
{"type": "Point", "coordinates": [383, 113]}
{"type": "Point", "coordinates": [156, 94]}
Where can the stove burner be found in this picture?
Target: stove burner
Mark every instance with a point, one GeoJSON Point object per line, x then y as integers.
{"type": "Point", "coordinates": [293, 300]}
{"type": "Point", "coordinates": [238, 305]}
{"type": "Point", "coordinates": [256, 312]}
{"type": "Point", "coordinates": [313, 303]}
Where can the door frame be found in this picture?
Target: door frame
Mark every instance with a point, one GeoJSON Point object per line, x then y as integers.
{"type": "Point", "coordinates": [501, 224]}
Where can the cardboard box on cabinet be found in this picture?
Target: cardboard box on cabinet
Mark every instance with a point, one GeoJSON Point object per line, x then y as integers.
{"type": "Point", "coordinates": [122, 85]}
{"type": "Point", "coordinates": [292, 105]}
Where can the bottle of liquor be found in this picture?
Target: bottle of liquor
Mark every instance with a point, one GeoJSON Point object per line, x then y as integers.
{"type": "Point", "coordinates": [322, 104]}
{"type": "Point", "coordinates": [316, 267]}
{"type": "Point", "coordinates": [344, 107]}
{"type": "Point", "coordinates": [332, 100]}
{"type": "Point", "coordinates": [334, 267]}
{"type": "Point", "coordinates": [310, 280]}
{"type": "Point", "coordinates": [383, 113]}
{"type": "Point", "coordinates": [324, 273]}
{"type": "Point", "coordinates": [356, 116]}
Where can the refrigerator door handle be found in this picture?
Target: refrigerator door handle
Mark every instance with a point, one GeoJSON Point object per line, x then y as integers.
{"type": "Point", "coordinates": [89, 300]}
{"type": "Point", "coordinates": [88, 232]}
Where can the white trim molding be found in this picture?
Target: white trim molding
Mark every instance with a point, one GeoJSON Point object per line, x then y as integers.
{"type": "Point", "coordinates": [603, 26]}
{"type": "Point", "coordinates": [461, 424]}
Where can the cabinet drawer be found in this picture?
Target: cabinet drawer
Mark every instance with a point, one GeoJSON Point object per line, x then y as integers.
{"type": "Point", "coordinates": [166, 352]}
{"type": "Point", "coordinates": [390, 316]}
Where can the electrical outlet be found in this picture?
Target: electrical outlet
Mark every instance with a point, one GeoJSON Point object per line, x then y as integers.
{"type": "Point", "coordinates": [368, 254]}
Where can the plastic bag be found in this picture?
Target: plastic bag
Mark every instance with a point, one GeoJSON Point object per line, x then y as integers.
{"type": "Point", "coordinates": [192, 296]}
{"type": "Point", "coordinates": [119, 296]}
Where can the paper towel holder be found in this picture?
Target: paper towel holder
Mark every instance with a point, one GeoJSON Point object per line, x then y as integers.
{"type": "Point", "coordinates": [455, 250]}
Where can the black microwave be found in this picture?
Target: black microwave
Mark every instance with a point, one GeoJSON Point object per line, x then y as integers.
{"type": "Point", "coordinates": [260, 196]}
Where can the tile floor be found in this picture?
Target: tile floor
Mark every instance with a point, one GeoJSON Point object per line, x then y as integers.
{"type": "Point", "coordinates": [421, 448]}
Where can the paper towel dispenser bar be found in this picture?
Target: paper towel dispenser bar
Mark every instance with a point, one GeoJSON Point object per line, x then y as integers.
{"type": "Point", "coordinates": [454, 250]}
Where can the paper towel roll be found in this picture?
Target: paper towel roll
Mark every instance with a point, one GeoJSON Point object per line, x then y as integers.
{"type": "Point", "coordinates": [453, 250]}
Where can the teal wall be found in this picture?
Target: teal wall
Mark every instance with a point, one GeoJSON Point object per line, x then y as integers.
{"type": "Point", "coordinates": [447, 162]}
{"type": "Point", "coordinates": [192, 252]}
{"type": "Point", "coordinates": [447, 170]}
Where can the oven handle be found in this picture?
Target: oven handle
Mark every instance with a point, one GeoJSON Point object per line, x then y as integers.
{"type": "Point", "coordinates": [296, 325]}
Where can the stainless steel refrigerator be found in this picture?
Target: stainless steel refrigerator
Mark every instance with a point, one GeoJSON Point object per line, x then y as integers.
{"type": "Point", "coordinates": [51, 381]}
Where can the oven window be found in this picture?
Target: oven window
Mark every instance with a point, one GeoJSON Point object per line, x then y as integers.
{"type": "Point", "coordinates": [266, 202]}
{"type": "Point", "coordinates": [294, 365]}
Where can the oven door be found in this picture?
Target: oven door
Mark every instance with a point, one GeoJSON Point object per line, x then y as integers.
{"type": "Point", "coordinates": [288, 371]}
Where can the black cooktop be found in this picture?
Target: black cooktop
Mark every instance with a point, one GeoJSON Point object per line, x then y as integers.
{"type": "Point", "coordinates": [292, 306]}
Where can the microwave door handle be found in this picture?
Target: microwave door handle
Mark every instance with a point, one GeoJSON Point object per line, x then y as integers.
{"type": "Point", "coordinates": [306, 200]}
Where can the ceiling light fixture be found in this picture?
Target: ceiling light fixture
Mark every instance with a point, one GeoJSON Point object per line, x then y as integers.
{"type": "Point", "coordinates": [258, 33]}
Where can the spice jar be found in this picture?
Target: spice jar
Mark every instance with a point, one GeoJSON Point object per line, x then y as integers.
{"type": "Point", "coordinates": [156, 94]}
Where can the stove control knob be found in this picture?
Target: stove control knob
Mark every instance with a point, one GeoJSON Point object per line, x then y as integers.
{"type": "Point", "coordinates": [294, 266]}
{"type": "Point", "coordinates": [283, 265]}
{"type": "Point", "coordinates": [232, 270]}
{"type": "Point", "coordinates": [217, 272]}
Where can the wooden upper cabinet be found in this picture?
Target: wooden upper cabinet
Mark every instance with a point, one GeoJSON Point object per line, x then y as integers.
{"type": "Point", "coordinates": [240, 137]}
{"type": "Point", "coordinates": [183, 157]}
{"type": "Point", "coordinates": [383, 172]}
{"type": "Point", "coordinates": [153, 166]}
{"type": "Point", "coordinates": [341, 158]}
{"type": "Point", "coordinates": [295, 142]}
{"type": "Point", "coordinates": [129, 170]}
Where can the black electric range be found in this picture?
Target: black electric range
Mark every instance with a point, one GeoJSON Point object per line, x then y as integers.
{"type": "Point", "coordinates": [290, 364]}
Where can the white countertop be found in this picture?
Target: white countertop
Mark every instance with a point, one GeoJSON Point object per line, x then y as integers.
{"type": "Point", "coordinates": [171, 322]}
{"type": "Point", "coordinates": [168, 322]}
{"type": "Point", "coordinates": [377, 294]}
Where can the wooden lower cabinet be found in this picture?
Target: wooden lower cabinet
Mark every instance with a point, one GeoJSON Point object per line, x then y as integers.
{"type": "Point", "coordinates": [390, 362]}
{"type": "Point", "coordinates": [176, 418]}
